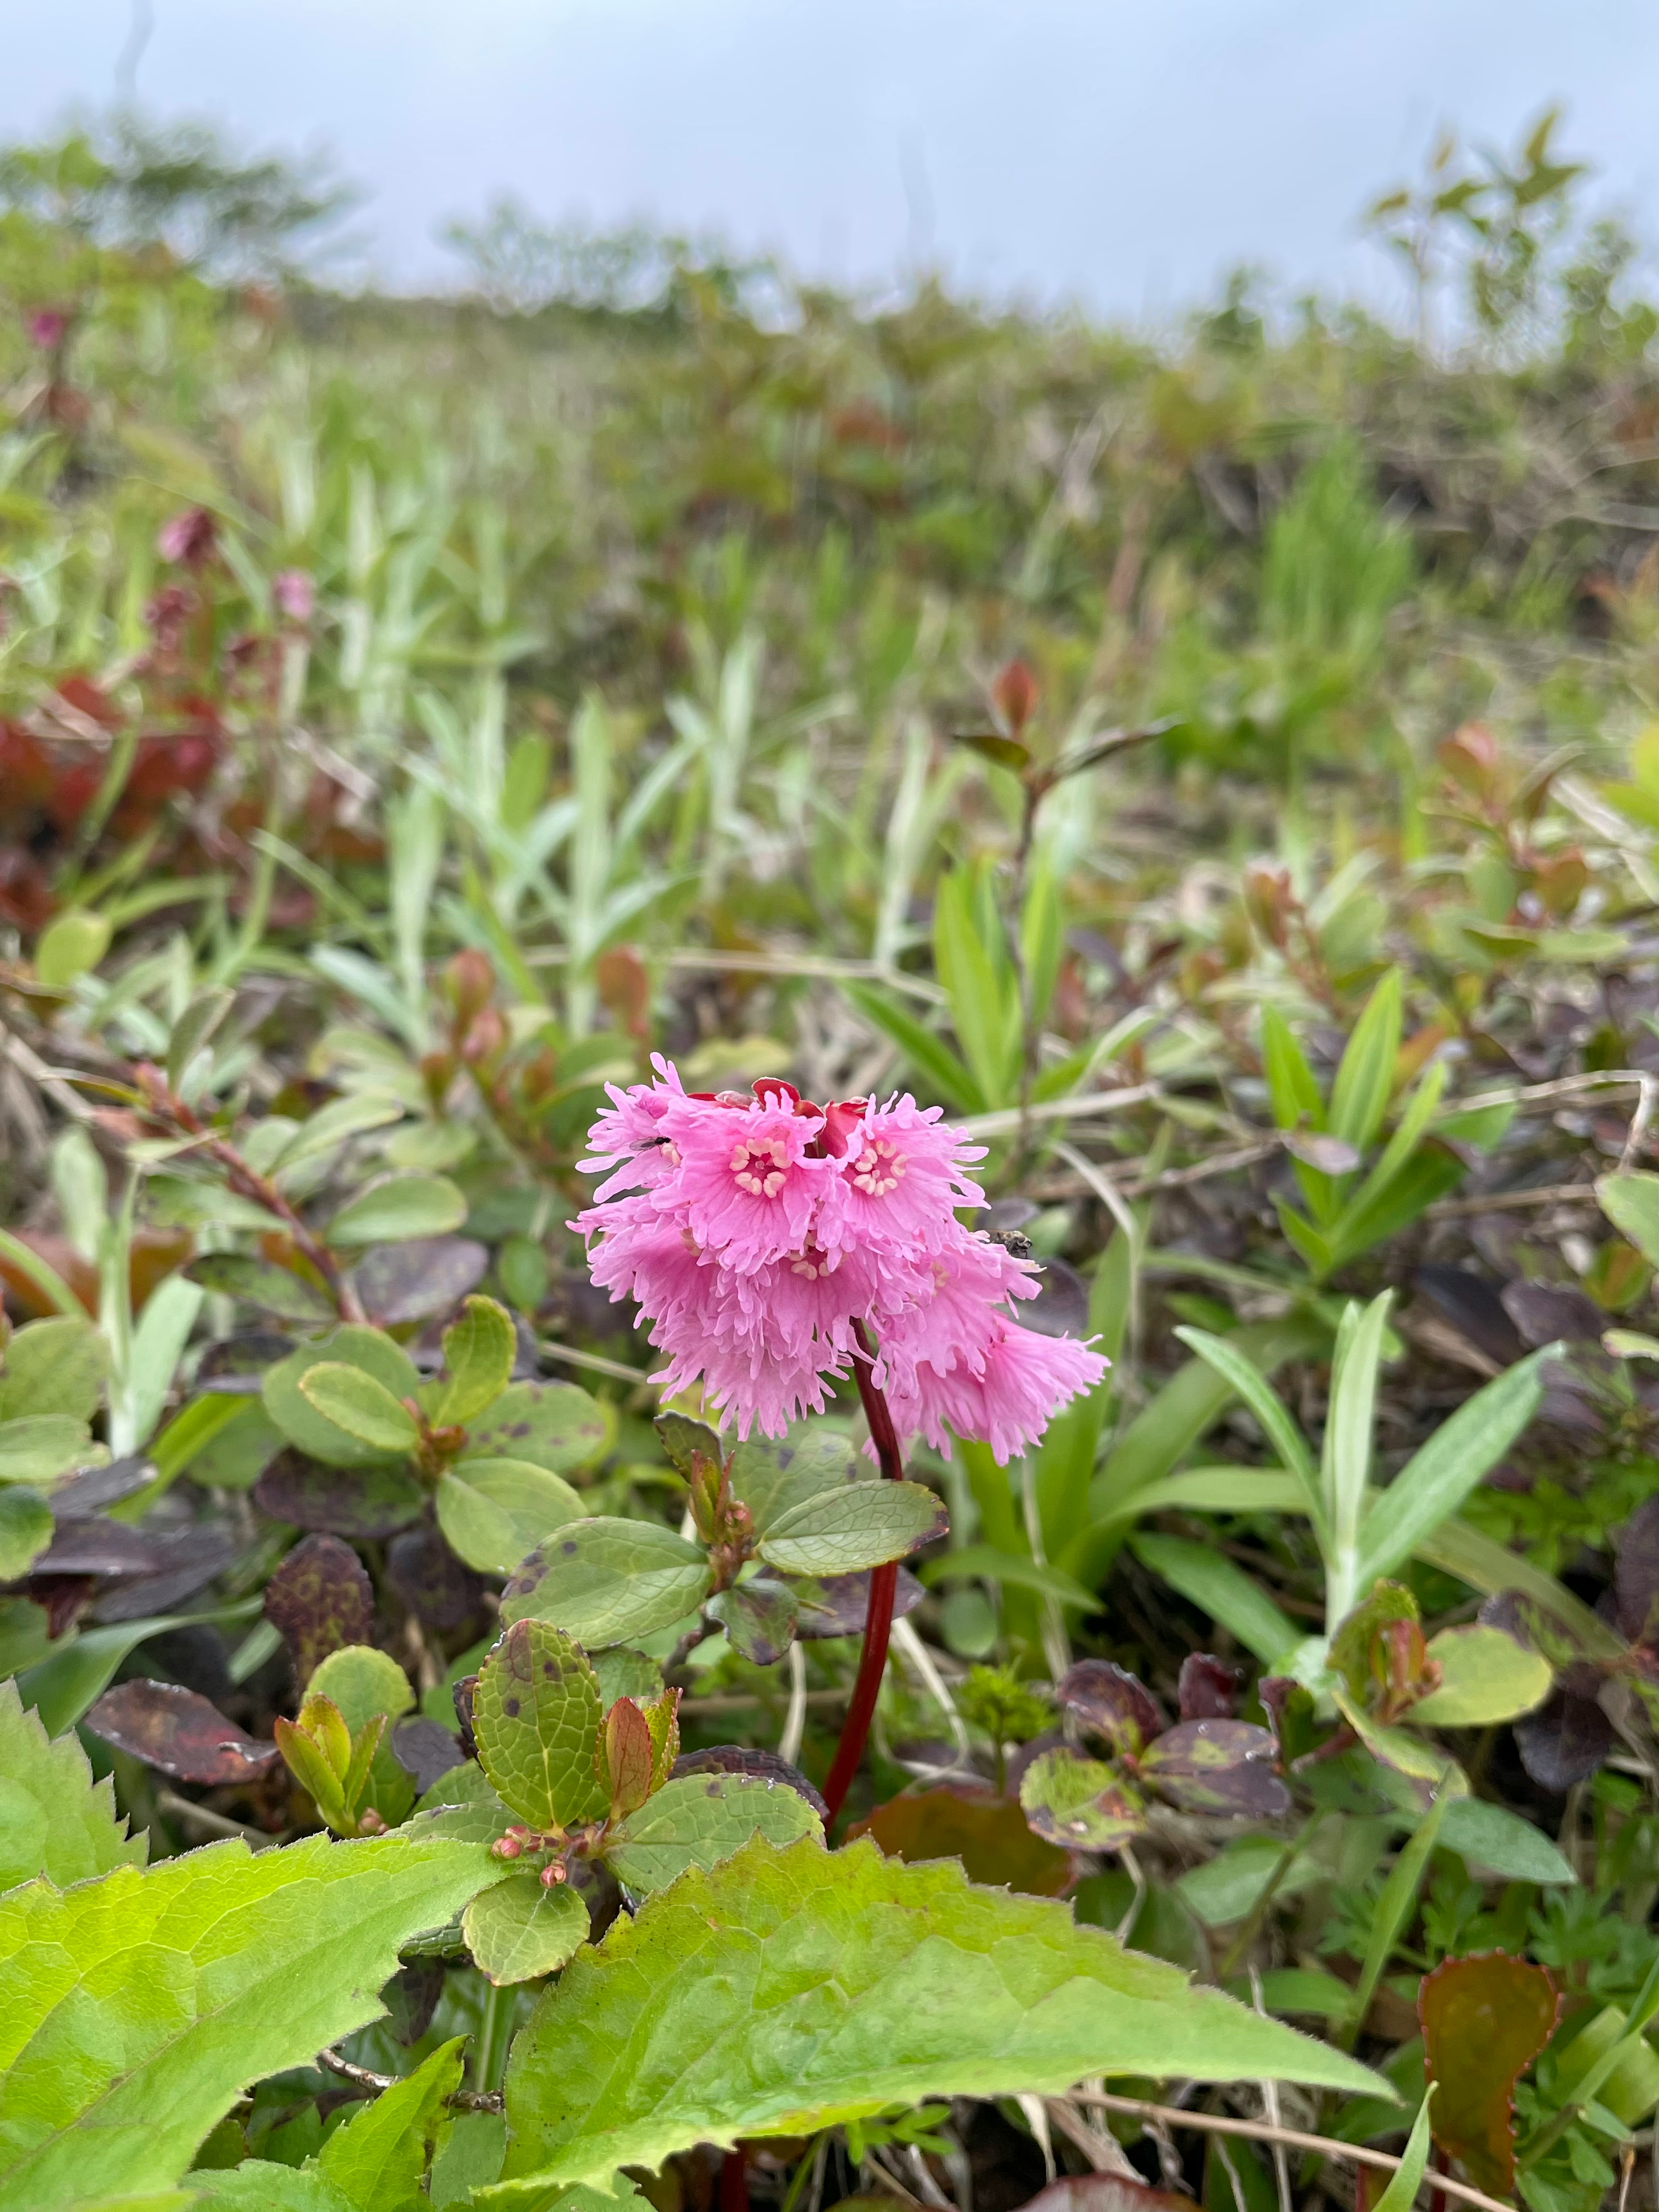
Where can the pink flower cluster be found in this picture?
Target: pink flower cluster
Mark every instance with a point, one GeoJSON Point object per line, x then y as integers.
{"type": "Point", "coordinates": [762, 1235]}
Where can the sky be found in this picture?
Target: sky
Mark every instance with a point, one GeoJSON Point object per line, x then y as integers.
{"type": "Point", "coordinates": [1123, 154]}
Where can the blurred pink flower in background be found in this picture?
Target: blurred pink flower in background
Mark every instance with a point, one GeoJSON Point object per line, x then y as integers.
{"type": "Point", "coordinates": [191, 537]}
{"type": "Point", "coordinates": [293, 594]}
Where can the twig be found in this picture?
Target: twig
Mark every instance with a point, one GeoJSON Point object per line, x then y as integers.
{"type": "Point", "coordinates": [794, 1721]}
{"type": "Point", "coordinates": [214, 1824]}
{"type": "Point", "coordinates": [1502, 1201]}
{"type": "Point", "coordinates": [594, 1359]}
{"type": "Point", "coordinates": [1639, 1121]}
{"type": "Point", "coordinates": [741, 1701]}
{"type": "Point", "coordinates": [1007, 1119]}
{"type": "Point", "coordinates": [361, 2077]}
{"type": "Point", "coordinates": [1220, 2124]}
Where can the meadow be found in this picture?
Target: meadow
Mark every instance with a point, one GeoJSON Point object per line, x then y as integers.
{"type": "Point", "coordinates": [1217, 767]}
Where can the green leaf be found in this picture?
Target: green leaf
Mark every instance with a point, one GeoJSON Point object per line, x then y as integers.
{"type": "Point", "coordinates": [557, 1426]}
{"type": "Point", "coordinates": [139, 2006]}
{"type": "Point", "coordinates": [69, 946]}
{"type": "Point", "coordinates": [933, 1060]}
{"type": "Point", "coordinates": [984, 1004]}
{"type": "Point", "coordinates": [258, 2184]}
{"type": "Point", "coordinates": [787, 1992]}
{"type": "Point", "coordinates": [857, 1525]}
{"type": "Point", "coordinates": [493, 1511]}
{"type": "Point", "coordinates": [364, 1684]}
{"type": "Point", "coordinates": [1630, 1202]}
{"type": "Point", "coordinates": [1373, 1217]}
{"type": "Point", "coordinates": [61, 1688]}
{"type": "Point", "coordinates": [53, 1367]}
{"type": "Point", "coordinates": [1359, 1095]}
{"type": "Point", "coordinates": [1502, 1843]}
{"type": "Point", "coordinates": [24, 1531]}
{"type": "Point", "coordinates": [772, 1479]}
{"type": "Point", "coordinates": [350, 1400]}
{"type": "Point", "coordinates": [478, 1353]}
{"type": "Point", "coordinates": [194, 1027]}
{"type": "Point", "coordinates": [331, 1125]}
{"type": "Point", "coordinates": [759, 1615]}
{"type": "Point", "coordinates": [1265, 1402]}
{"type": "Point", "coordinates": [55, 1819]}
{"type": "Point", "coordinates": [607, 1581]}
{"type": "Point", "coordinates": [536, 1714]}
{"type": "Point", "coordinates": [39, 1447]}
{"type": "Point", "coordinates": [399, 1209]}
{"type": "Point", "coordinates": [700, 1820]}
{"type": "Point", "coordinates": [1225, 1591]}
{"type": "Point", "coordinates": [1345, 1459]}
{"type": "Point", "coordinates": [1081, 1804]}
{"type": "Point", "coordinates": [1401, 2194]}
{"type": "Point", "coordinates": [1434, 1482]}
{"type": "Point", "coordinates": [1490, 1567]}
{"type": "Point", "coordinates": [369, 1349]}
{"type": "Point", "coordinates": [261, 1282]}
{"type": "Point", "coordinates": [974, 1560]}
{"type": "Point", "coordinates": [1395, 1904]}
{"type": "Point", "coordinates": [1485, 1676]}
{"type": "Point", "coordinates": [378, 2159]}
{"type": "Point", "coordinates": [519, 1930]}
{"type": "Point", "coordinates": [1291, 1089]}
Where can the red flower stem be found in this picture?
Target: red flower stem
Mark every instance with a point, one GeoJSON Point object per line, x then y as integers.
{"type": "Point", "coordinates": [884, 1585]}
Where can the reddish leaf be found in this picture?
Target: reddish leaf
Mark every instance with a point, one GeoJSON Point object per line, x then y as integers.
{"type": "Point", "coordinates": [180, 1733]}
{"type": "Point", "coordinates": [988, 1833]}
{"type": "Point", "coordinates": [1208, 1688]}
{"type": "Point", "coordinates": [319, 1599]}
{"type": "Point", "coordinates": [186, 1559]}
{"type": "Point", "coordinates": [366, 1504]}
{"type": "Point", "coordinates": [1216, 1767]}
{"type": "Point", "coordinates": [1111, 1703]}
{"type": "Point", "coordinates": [1636, 1574]}
{"type": "Point", "coordinates": [414, 1281]}
{"type": "Point", "coordinates": [764, 1766]}
{"type": "Point", "coordinates": [1565, 1741]}
{"type": "Point", "coordinates": [1484, 2019]}
{"type": "Point", "coordinates": [623, 1758]}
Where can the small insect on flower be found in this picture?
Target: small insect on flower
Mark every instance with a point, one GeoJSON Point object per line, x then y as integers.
{"type": "Point", "coordinates": [769, 1242]}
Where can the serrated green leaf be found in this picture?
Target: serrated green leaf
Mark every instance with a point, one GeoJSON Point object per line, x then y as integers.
{"type": "Point", "coordinates": [478, 1353]}
{"type": "Point", "coordinates": [535, 1714]}
{"type": "Point", "coordinates": [53, 1367]}
{"type": "Point", "coordinates": [378, 2159]}
{"type": "Point", "coordinates": [24, 1531]}
{"type": "Point", "coordinates": [1485, 1676]}
{"type": "Point", "coordinates": [55, 1819]}
{"type": "Point", "coordinates": [772, 1478]}
{"type": "Point", "coordinates": [493, 1511]}
{"type": "Point", "coordinates": [300, 1421]}
{"type": "Point", "coordinates": [607, 1581]}
{"type": "Point", "coordinates": [519, 1930]}
{"type": "Point", "coordinates": [789, 1991]}
{"type": "Point", "coordinates": [398, 1210]}
{"type": "Point", "coordinates": [854, 1526]}
{"type": "Point", "coordinates": [260, 2184]}
{"type": "Point", "coordinates": [347, 1399]}
{"type": "Point", "coordinates": [700, 1820]}
{"type": "Point", "coordinates": [139, 2006]}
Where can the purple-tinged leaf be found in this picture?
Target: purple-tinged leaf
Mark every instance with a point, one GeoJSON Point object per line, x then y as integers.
{"type": "Point", "coordinates": [758, 1616]}
{"type": "Point", "coordinates": [836, 1605]}
{"type": "Point", "coordinates": [1060, 1307]}
{"type": "Point", "coordinates": [179, 1732]}
{"type": "Point", "coordinates": [759, 1765]}
{"type": "Point", "coordinates": [425, 1751]}
{"type": "Point", "coordinates": [1107, 1701]}
{"type": "Point", "coordinates": [1216, 1767]}
{"type": "Point", "coordinates": [1105, 2193]}
{"type": "Point", "coordinates": [1475, 1310]}
{"type": "Point", "coordinates": [1635, 1574]}
{"type": "Point", "coordinates": [1326, 1155]}
{"type": "Point", "coordinates": [412, 1997]}
{"type": "Point", "coordinates": [1208, 1688]}
{"type": "Point", "coordinates": [1545, 1314]}
{"type": "Point", "coordinates": [97, 1546]}
{"type": "Point", "coordinates": [414, 1281]}
{"type": "Point", "coordinates": [319, 1600]}
{"type": "Point", "coordinates": [189, 1559]}
{"type": "Point", "coordinates": [362, 1503]}
{"type": "Point", "coordinates": [1080, 1804]}
{"type": "Point", "coordinates": [1565, 1741]}
{"type": "Point", "coordinates": [101, 1486]}
{"type": "Point", "coordinates": [441, 1593]}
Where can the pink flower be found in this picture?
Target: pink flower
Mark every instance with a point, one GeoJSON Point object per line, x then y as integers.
{"type": "Point", "coordinates": [47, 328]}
{"type": "Point", "coordinates": [293, 594]}
{"type": "Point", "coordinates": [191, 537]}
{"type": "Point", "coordinates": [769, 1242]}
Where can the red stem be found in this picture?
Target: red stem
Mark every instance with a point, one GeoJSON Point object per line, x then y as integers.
{"type": "Point", "coordinates": [883, 1586]}
{"type": "Point", "coordinates": [734, 2182]}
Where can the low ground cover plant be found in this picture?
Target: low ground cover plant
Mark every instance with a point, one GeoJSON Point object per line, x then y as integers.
{"type": "Point", "coordinates": [828, 1227]}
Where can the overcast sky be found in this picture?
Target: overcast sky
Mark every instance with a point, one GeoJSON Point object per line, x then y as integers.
{"type": "Point", "coordinates": [1125, 153]}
